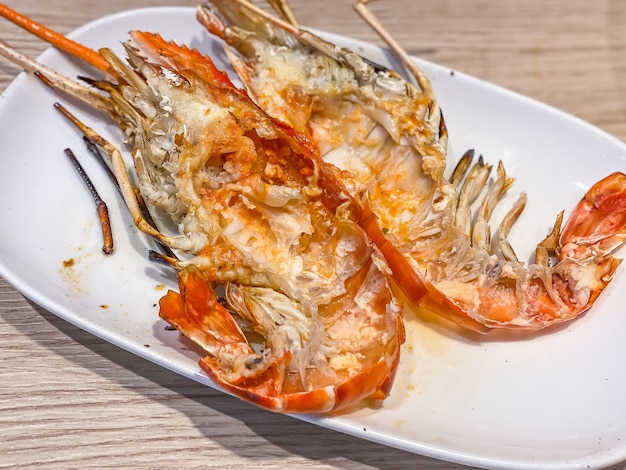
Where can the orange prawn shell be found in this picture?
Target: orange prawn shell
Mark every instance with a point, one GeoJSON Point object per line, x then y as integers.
{"type": "Point", "coordinates": [196, 313]}
{"type": "Point", "coordinates": [374, 382]}
{"type": "Point", "coordinates": [196, 306]}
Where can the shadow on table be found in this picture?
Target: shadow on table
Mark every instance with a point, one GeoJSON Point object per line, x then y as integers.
{"type": "Point", "coordinates": [321, 445]}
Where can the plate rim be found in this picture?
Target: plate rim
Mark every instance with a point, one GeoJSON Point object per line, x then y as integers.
{"type": "Point", "coordinates": [337, 424]}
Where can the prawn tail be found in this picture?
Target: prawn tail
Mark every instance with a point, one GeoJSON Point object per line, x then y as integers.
{"type": "Point", "coordinates": [596, 228]}
{"type": "Point", "coordinates": [230, 361]}
{"type": "Point", "coordinates": [573, 266]}
{"type": "Point", "coordinates": [197, 313]}
{"type": "Point", "coordinates": [598, 223]}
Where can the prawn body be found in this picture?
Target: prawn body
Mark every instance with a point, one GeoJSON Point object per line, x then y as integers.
{"type": "Point", "coordinates": [309, 323]}
{"type": "Point", "coordinates": [389, 139]}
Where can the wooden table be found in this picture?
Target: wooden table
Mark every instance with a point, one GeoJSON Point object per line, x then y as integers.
{"type": "Point", "coordinates": [70, 400]}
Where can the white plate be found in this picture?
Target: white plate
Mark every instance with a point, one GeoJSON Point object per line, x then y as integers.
{"type": "Point", "coordinates": [555, 400]}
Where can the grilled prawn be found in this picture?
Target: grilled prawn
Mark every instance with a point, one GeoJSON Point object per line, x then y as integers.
{"type": "Point", "coordinates": [389, 139]}
{"type": "Point", "coordinates": [259, 214]}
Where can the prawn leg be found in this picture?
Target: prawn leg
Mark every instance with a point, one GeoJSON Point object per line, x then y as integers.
{"type": "Point", "coordinates": [59, 41]}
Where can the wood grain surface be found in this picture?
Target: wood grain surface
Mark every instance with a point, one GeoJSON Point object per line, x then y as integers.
{"type": "Point", "coordinates": [70, 400]}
